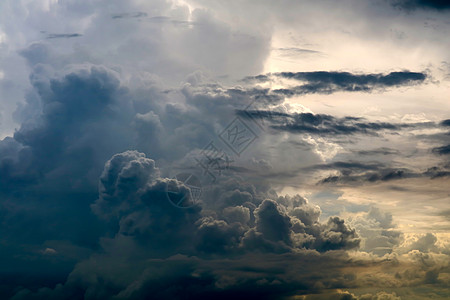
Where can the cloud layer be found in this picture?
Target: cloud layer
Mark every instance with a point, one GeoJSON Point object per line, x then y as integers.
{"type": "Point", "coordinates": [140, 158]}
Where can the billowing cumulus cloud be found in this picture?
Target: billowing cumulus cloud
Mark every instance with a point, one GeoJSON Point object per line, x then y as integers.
{"type": "Point", "coordinates": [274, 250]}
{"type": "Point", "coordinates": [133, 201]}
{"type": "Point", "coordinates": [203, 249]}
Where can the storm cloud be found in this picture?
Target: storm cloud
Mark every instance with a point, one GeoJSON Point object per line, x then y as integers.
{"type": "Point", "coordinates": [136, 163]}
{"type": "Point", "coordinates": [422, 4]}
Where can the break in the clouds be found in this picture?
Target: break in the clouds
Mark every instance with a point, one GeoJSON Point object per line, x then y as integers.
{"type": "Point", "coordinates": [143, 157]}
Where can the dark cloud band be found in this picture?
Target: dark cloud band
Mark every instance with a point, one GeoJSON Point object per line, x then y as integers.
{"type": "Point", "coordinates": [325, 124]}
{"type": "Point", "coordinates": [422, 4]}
{"type": "Point", "coordinates": [63, 35]}
{"type": "Point", "coordinates": [323, 82]}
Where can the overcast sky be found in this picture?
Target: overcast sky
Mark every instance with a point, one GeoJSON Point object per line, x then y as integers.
{"type": "Point", "coordinates": [198, 149]}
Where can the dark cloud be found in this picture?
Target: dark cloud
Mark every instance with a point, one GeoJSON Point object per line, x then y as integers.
{"type": "Point", "coordinates": [87, 185]}
{"type": "Point", "coordinates": [346, 79]}
{"type": "Point", "coordinates": [445, 214]}
{"type": "Point", "coordinates": [445, 122]}
{"type": "Point", "coordinates": [438, 171]}
{"type": "Point", "coordinates": [422, 4]}
{"type": "Point", "coordinates": [379, 151]}
{"type": "Point", "coordinates": [324, 82]}
{"type": "Point", "coordinates": [75, 108]}
{"type": "Point", "coordinates": [85, 114]}
{"type": "Point", "coordinates": [345, 295]}
{"type": "Point", "coordinates": [180, 277]}
{"type": "Point", "coordinates": [349, 166]}
{"type": "Point", "coordinates": [146, 230]}
{"type": "Point", "coordinates": [50, 168]}
{"type": "Point", "coordinates": [155, 19]}
{"type": "Point", "coordinates": [134, 198]}
{"type": "Point", "coordinates": [381, 174]}
{"type": "Point", "coordinates": [63, 35]}
{"type": "Point", "coordinates": [442, 150]}
{"type": "Point", "coordinates": [272, 223]}
{"type": "Point", "coordinates": [138, 229]}
{"type": "Point", "coordinates": [323, 124]}
{"type": "Point", "coordinates": [139, 14]}
{"type": "Point", "coordinates": [241, 241]}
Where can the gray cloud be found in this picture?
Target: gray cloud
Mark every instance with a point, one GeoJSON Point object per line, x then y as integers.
{"type": "Point", "coordinates": [63, 35]}
{"type": "Point", "coordinates": [129, 15]}
{"type": "Point", "coordinates": [133, 201]}
{"type": "Point", "coordinates": [324, 82]}
{"type": "Point", "coordinates": [81, 105]}
{"type": "Point", "coordinates": [383, 174]}
{"type": "Point", "coordinates": [442, 150]}
{"type": "Point", "coordinates": [348, 166]}
{"type": "Point", "coordinates": [422, 4]}
{"type": "Point", "coordinates": [105, 121]}
{"type": "Point", "coordinates": [136, 220]}
{"type": "Point", "coordinates": [324, 124]}
{"type": "Point", "coordinates": [445, 122]}
{"type": "Point", "coordinates": [379, 151]}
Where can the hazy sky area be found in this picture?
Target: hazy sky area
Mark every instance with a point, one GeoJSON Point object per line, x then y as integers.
{"type": "Point", "coordinates": [205, 149]}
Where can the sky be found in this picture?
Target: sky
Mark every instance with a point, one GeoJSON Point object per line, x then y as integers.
{"type": "Point", "coordinates": [193, 149]}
